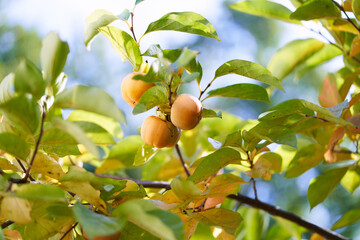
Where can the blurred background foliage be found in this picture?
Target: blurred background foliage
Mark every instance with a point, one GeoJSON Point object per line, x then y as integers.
{"type": "Point", "coordinates": [243, 37]}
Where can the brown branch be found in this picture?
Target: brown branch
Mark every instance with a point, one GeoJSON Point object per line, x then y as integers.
{"type": "Point", "coordinates": [37, 145]}
{"type": "Point", "coordinates": [271, 209]}
{"type": "Point", "coordinates": [6, 224]}
{"type": "Point", "coordinates": [182, 160]}
{"type": "Point", "coordinates": [68, 231]}
{"type": "Point", "coordinates": [23, 168]}
{"type": "Point", "coordinates": [347, 16]}
{"type": "Point", "coordinates": [132, 26]}
{"type": "Point", "coordinates": [254, 187]}
{"type": "Point", "coordinates": [148, 184]}
{"type": "Point", "coordinates": [276, 211]}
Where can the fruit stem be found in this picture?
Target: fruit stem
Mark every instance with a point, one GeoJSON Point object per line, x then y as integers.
{"type": "Point", "coordinates": [182, 160]}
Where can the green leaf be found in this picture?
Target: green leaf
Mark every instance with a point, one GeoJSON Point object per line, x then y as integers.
{"type": "Point", "coordinates": [266, 9]}
{"type": "Point", "coordinates": [95, 133]}
{"type": "Point", "coordinates": [38, 192]}
{"type": "Point", "coordinates": [321, 186]}
{"type": "Point", "coordinates": [58, 142]}
{"type": "Point", "coordinates": [95, 224]}
{"type": "Point", "coordinates": [185, 190]}
{"type": "Point", "coordinates": [153, 97]}
{"type": "Point", "coordinates": [125, 15]}
{"type": "Point", "coordinates": [98, 18]}
{"type": "Point", "coordinates": [124, 44]}
{"type": "Point", "coordinates": [209, 113]}
{"type": "Point", "coordinates": [188, 22]}
{"type": "Point", "coordinates": [347, 219]}
{"type": "Point", "coordinates": [220, 217]}
{"type": "Point", "coordinates": [190, 77]}
{"type": "Point", "coordinates": [90, 99]}
{"type": "Point", "coordinates": [6, 86]}
{"type": "Point", "coordinates": [58, 85]}
{"type": "Point", "coordinates": [138, 1]}
{"type": "Point", "coordinates": [146, 215]}
{"type": "Point", "coordinates": [2, 237]}
{"type": "Point", "coordinates": [132, 231]}
{"type": "Point", "coordinates": [325, 54]}
{"type": "Point", "coordinates": [292, 55]}
{"type": "Point", "coordinates": [53, 57]}
{"type": "Point", "coordinates": [215, 161]}
{"type": "Point", "coordinates": [250, 70]}
{"type": "Point", "coordinates": [172, 55]}
{"type": "Point", "coordinates": [246, 91]}
{"type": "Point", "coordinates": [305, 158]}
{"type": "Point", "coordinates": [23, 112]}
{"type": "Point", "coordinates": [109, 124]}
{"type": "Point", "coordinates": [185, 58]}
{"type": "Point", "coordinates": [315, 9]}
{"type": "Point", "coordinates": [144, 154]}
{"type": "Point", "coordinates": [356, 8]}
{"type": "Point", "coordinates": [122, 154]}
{"type": "Point", "coordinates": [275, 160]}
{"type": "Point", "coordinates": [351, 180]}
{"type": "Point", "coordinates": [77, 174]}
{"type": "Point", "coordinates": [77, 133]}
{"type": "Point", "coordinates": [14, 145]}
{"type": "Point", "coordinates": [47, 166]}
{"type": "Point", "coordinates": [28, 79]}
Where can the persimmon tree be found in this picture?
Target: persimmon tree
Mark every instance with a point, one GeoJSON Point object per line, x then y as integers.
{"type": "Point", "coordinates": [74, 177]}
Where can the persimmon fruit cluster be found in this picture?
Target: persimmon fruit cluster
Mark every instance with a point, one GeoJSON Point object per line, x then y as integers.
{"type": "Point", "coordinates": [185, 114]}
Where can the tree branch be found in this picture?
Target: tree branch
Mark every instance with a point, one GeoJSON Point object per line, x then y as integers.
{"type": "Point", "coordinates": [182, 160]}
{"type": "Point", "coordinates": [276, 211]}
{"type": "Point", "coordinates": [27, 173]}
{"type": "Point", "coordinates": [271, 209]}
{"type": "Point", "coordinates": [6, 224]}
{"type": "Point", "coordinates": [347, 16]}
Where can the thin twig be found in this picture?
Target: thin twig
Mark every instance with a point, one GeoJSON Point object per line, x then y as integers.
{"type": "Point", "coordinates": [254, 187]}
{"type": "Point", "coordinates": [170, 91]}
{"type": "Point", "coordinates": [37, 145]}
{"type": "Point", "coordinates": [276, 211]}
{"type": "Point", "coordinates": [23, 168]}
{"type": "Point", "coordinates": [347, 16]}
{"type": "Point", "coordinates": [320, 118]}
{"type": "Point", "coordinates": [68, 231]}
{"type": "Point", "coordinates": [148, 184]}
{"type": "Point", "coordinates": [335, 45]}
{"type": "Point", "coordinates": [206, 88]}
{"type": "Point", "coordinates": [182, 160]}
{"type": "Point", "coordinates": [6, 224]}
{"type": "Point", "coordinates": [132, 25]}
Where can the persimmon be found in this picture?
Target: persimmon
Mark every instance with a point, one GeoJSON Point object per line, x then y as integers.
{"type": "Point", "coordinates": [186, 112]}
{"type": "Point", "coordinates": [159, 133]}
{"type": "Point", "coordinates": [132, 90]}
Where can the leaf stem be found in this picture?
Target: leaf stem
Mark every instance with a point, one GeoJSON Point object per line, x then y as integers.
{"type": "Point", "coordinates": [182, 160]}
{"type": "Point", "coordinates": [27, 173]}
{"type": "Point", "coordinates": [206, 88]}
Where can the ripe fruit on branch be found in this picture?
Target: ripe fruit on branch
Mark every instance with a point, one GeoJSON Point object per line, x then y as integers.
{"type": "Point", "coordinates": [159, 133]}
{"type": "Point", "coordinates": [132, 90]}
{"type": "Point", "coordinates": [186, 112]}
